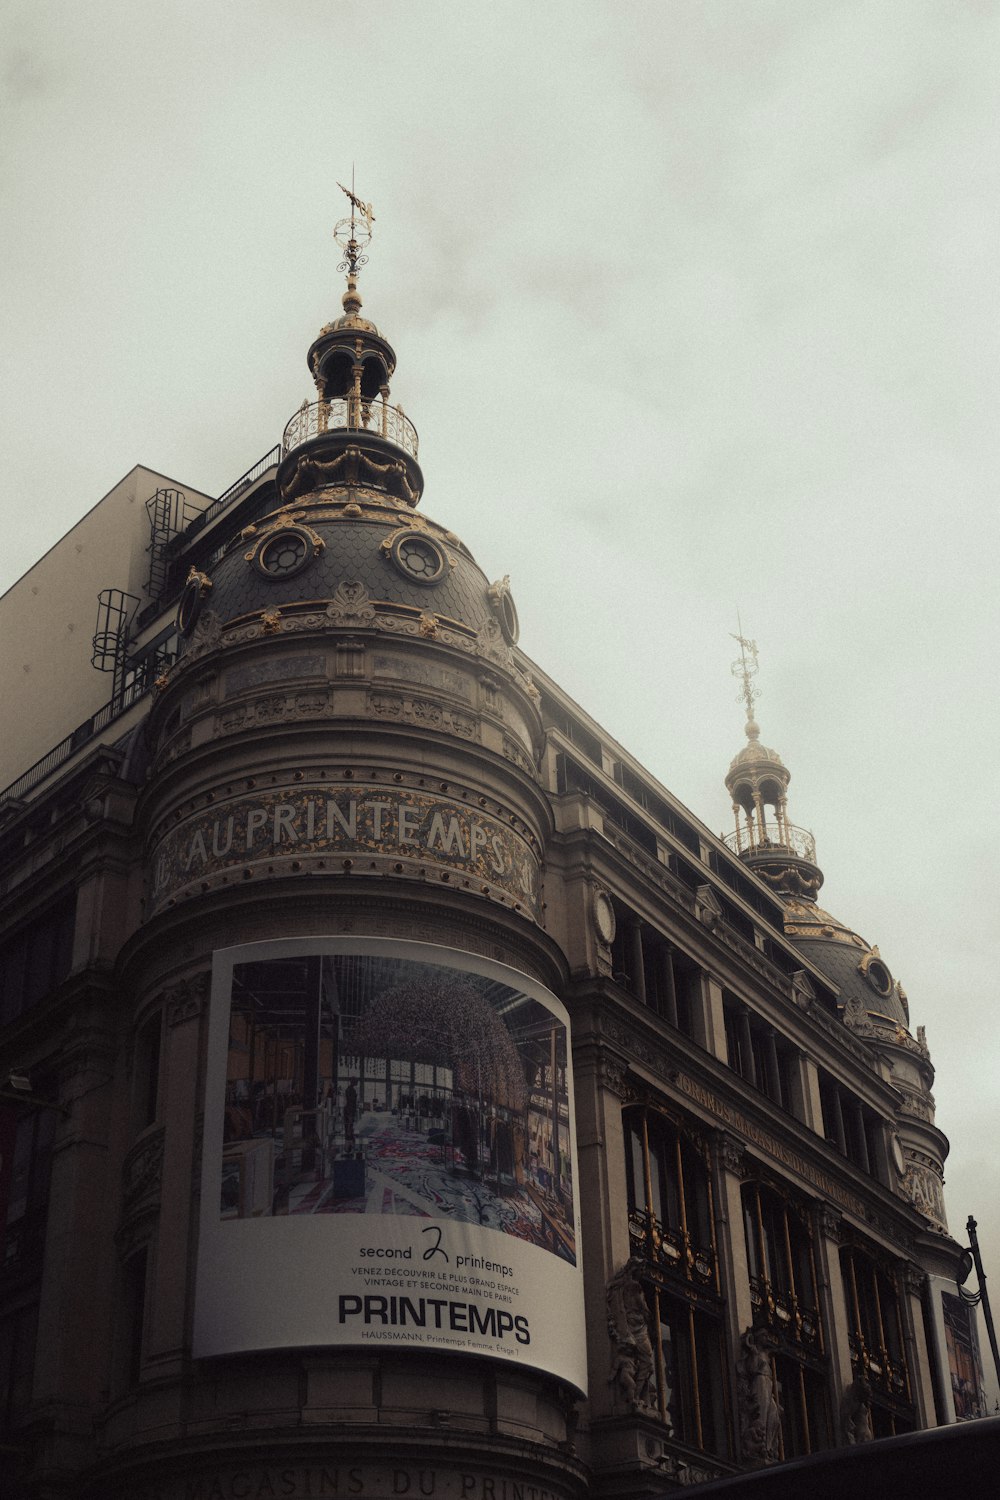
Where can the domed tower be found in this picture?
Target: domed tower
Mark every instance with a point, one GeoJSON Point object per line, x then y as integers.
{"type": "Point", "coordinates": [369, 1159]}
{"type": "Point", "coordinates": [781, 854]}
{"type": "Point", "coordinates": [872, 1002]}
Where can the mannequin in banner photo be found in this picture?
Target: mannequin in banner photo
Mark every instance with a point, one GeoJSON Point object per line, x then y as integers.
{"type": "Point", "coordinates": [350, 1111]}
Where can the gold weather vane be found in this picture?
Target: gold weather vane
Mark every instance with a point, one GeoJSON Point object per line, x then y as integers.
{"type": "Point", "coordinates": [353, 236]}
{"type": "Point", "coordinates": [746, 668]}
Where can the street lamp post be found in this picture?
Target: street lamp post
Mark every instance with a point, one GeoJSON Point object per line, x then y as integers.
{"type": "Point", "coordinates": [971, 1257]}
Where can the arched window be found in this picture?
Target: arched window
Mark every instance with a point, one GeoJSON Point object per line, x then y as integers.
{"type": "Point", "coordinates": [783, 1291]}
{"type": "Point", "coordinates": [672, 1234]}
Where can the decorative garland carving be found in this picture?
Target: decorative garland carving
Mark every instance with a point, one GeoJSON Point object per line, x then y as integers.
{"type": "Point", "coordinates": [187, 1000]}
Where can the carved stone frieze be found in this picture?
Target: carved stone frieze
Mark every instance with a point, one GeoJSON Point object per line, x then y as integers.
{"type": "Point", "coordinates": [707, 907]}
{"type": "Point", "coordinates": [519, 757]}
{"type": "Point", "coordinates": [407, 709]}
{"type": "Point", "coordinates": [279, 708]}
{"type": "Point", "coordinates": [491, 645]}
{"type": "Point", "coordinates": [730, 1153]}
{"type": "Point", "coordinates": [613, 1074]}
{"type": "Point", "coordinates": [205, 637]}
{"type": "Point", "coordinates": [830, 1222]}
{"type": "Point", "coordinates": [914, 1279]}
{"type": "Point", "coordinates": [187, 1000]}
{"type": "Point", "coordinates": [633, 1045]}
{"type": "Point", "coordinates": [918, 1105]}
{"type": "Point", "coordinates": [143, 1168]}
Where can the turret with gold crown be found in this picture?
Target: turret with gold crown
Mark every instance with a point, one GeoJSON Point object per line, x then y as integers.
{"type": "Point", "coordinates": [872, 1002]}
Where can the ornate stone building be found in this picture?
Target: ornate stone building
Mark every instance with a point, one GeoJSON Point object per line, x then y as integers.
{"type": "Point", "coordinates": [402, 1093]}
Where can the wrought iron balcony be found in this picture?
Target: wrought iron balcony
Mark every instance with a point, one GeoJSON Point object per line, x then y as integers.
{"type": "Point", "coordinates": [784, 838]}
{"type": "Point", "coordinates": [350, 414]}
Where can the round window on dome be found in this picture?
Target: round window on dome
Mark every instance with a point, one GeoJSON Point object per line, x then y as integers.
{"type": "Point", "coordinates": [418, 558]}
{"type": "Point", "coordinates": [508, 619]}
{"type": "Point", "coordinates": [503, 609]}
{"type": "Point", "coordinates": [285, 554]}
{"type": "Point", "coordinates": [195, 589]}
{"type": "Point", "coordinates": [878, 977]}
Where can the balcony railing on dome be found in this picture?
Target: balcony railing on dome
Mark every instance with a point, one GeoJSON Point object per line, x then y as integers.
{"type": "Point", "coordinates": [783, 837]}
{"type": "Point", "coordinates": [352, 415]}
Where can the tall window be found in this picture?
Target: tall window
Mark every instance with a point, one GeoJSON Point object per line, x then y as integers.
{"type": "Point", "coordinates": [133, 1317]}
{"type": "Point", "coordinates": [18, 1336]}
{"type": "Point", "coordinates": [37, 958]}
{"type": "Point", "coordinates": [784, 1295]}
{"type": "Point", "coordinates": [758, 1053]}
{"type": "Point", "coordinates": [878, 1348]}
{"type": "Point", "coordinates": [24, 1185]}
{"type": "Point", "coordinates": [672, 1232]}
{"type": "Point", "coordinates": [853, 1128]}
{"type": "Point", "coordinates": [146, 1078]}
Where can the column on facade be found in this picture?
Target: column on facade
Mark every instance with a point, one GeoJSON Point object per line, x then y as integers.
{"type": "Point", "coordinates": [637, 971]}
{"type": "Point", "coordinates": [667, 985]}
{"type": "Point", "coordinates": [858, 1132]}
{"type": "Point", "coordinates": [600, 1092]}
{"type": "Point", "coordinates": [834, 1309]}
{"type": "Point", "coordinates": [186, 1008]}
{"type": "Point", "coordinates": [729, 1169]}
{"type": "Point", "coordinates": [913, 1289]}
{"type": "Point", "coordinates": [772, 1066]}
{"type": "Point", "coordinates": [839, 1133]}
{"type": "Point", "coordinates": [807, 1103]}
{"type": "Point", "coordinates": [749, 1068]}
{"type": "Point", "coordinates": [709, 1019]}
{"type": "Point", "coordinates": [74, 1312]}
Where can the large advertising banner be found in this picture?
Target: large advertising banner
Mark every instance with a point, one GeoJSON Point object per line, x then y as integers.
{"type": "Point", "coordinates": [389, 1156]}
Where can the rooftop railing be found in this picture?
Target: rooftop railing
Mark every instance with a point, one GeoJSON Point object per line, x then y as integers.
{"type": "Point", "coordinates": [351, 415]}
{"type": "Point", "coordinates": [783, 837]}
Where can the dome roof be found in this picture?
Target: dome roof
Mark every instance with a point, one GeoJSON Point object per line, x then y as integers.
{"type": "Point", "coordinates": [754, 752]}
{"type": "Point", "coordinates": [305, 550]}
{"type": "Point", "coordinates": [855, 966]}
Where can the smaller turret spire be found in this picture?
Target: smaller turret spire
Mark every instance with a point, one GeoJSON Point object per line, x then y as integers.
{"type": "Point", "coordinates": [757, 781]}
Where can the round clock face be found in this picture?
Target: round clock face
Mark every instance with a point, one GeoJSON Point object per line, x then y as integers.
{"type": "Point", "coordinates": [604, 917]}
{"type": "Point", "coordinates": [898, 1158]}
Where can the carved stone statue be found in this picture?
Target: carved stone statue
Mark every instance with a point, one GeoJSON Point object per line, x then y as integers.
{"type": "Point", "coordinates": [757, 1392]}
{"type": "Point", "coordinates": [856, 1411]}
{"type": "Point", "coordinates": [632, 1361]}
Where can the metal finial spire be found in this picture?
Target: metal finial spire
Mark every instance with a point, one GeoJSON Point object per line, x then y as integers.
{"type": "Point", "coordinates": [353, 235]}
{"type": "Point", "coordinates": [746, 668]}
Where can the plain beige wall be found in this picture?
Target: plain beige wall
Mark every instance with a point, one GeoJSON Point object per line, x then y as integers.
{"type": "Point", "coordinates": [47, 621]}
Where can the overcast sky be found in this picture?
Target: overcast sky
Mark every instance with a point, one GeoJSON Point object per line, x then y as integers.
{"type": "Point", "coordinates": [695, 306]}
